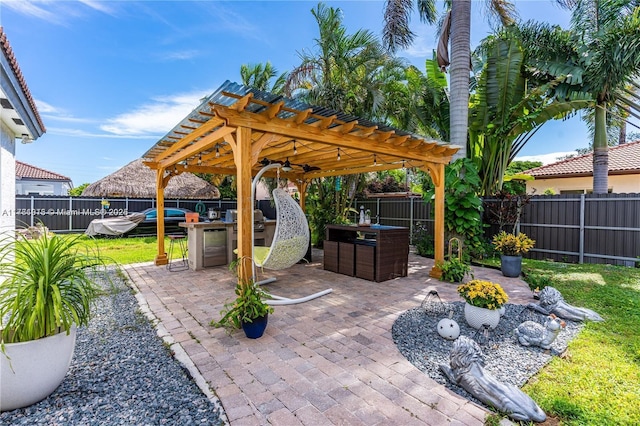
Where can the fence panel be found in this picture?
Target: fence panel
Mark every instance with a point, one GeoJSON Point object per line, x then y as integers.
{"type": "Point", "coordinates": [589, 228]}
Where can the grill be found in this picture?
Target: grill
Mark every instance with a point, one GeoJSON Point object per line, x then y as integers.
{"type": "Point", "coordinates": [258, 220]}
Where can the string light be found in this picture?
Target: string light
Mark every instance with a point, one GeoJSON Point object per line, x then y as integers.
{"type": "Point", "coordinates": [295, 150]}
{"type": "Point", "coordinates": [375, 160]}
{"type": "Point", "coordinates": [403, 164]}
{"type": "Point", "coordinates": [200, 159]}
{"type": "Point", "coordinates": [338, 154]}
{"type": "Point", "coordinates": [217, 151]}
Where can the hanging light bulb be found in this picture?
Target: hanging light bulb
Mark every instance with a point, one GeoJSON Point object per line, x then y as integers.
{"type": "Point", "coordinates": [217, 151]}
{"type": "Point", "coordinates": [375, 160]}
{"type": "Point", "coordinates": [199, 159]}
{"type": "Point", "coordinates": [338, 154]}
{"type": "Point", "coordinates": [403, 165]}
{"type": "Point", "coordinates": [295, 150]}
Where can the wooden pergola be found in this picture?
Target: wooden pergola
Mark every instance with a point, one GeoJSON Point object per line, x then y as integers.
{"type": "Point", "coordinates": [236, 130]}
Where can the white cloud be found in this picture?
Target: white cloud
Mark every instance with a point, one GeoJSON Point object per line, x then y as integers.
{"type": "Point", "coordinates": [157, 117]}
{"type": "Point", "coordinates": [181, 55]}
{"type": "Point", "coordinates": [552, 157]}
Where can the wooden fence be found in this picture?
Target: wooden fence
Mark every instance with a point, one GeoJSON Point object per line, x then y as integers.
{"type": "Point", "coordinates": [573, 228]}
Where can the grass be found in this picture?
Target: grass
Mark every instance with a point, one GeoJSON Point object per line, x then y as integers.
{"type": "Point", "coordinates": [125, 251]}
{"type": "Point", "coordinates": [596, 383]}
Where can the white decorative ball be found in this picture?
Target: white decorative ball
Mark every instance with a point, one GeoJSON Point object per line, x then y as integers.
{"type": "Point", "coordinates": [448, 328]}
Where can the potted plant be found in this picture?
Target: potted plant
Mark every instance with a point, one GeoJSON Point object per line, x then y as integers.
{"type": "Point", "coordinates": [484, 299]}
{"type": "Point", "coordinates": [46, 290]}
{"type": "Point", "coordinates": [511, 248]}
{"type": "Point", "coordinates": [249, 310]}
{"type": "Point", "coordinates": [454, 270]}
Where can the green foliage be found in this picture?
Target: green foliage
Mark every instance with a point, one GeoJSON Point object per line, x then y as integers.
{"type": "Point", "coordinates": [227, 189]}
{"type": "Point", "coordinates": [329, 201]}
{"type": "Point", "coordinates": [47, 286]}
{"type": "Point", "coordinates": [77, 191]}
{"type": "Point", "coordinates": [506, 108]}
{"type": "Point", "coordinates": [512, 245]}
{"type": "Point", "coordinates": [537, 280]}
{"type": "Point", "coordinates": [515, 186]}
{"type": "Point", "coordinates": [454, 270]}
{"type": "Point", "coordinates": [250, 301]}
{"type": "Point", "coordinates": [423, 240]}
{"type": "Point", "coordinates": [463, 207]}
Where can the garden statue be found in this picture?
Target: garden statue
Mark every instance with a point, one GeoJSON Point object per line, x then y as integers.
{"type": "Point", "coordinates": [531, 333]}
{"type": "Point", "coordinates": [466, 370]}
{"type": "Point", "coordinates": [552, 302]}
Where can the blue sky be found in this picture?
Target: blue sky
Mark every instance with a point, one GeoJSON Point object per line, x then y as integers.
{"type": "Point", "coordinates": [110, 78]}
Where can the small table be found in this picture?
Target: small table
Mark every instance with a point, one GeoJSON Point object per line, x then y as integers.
{"type": "Point", "coordinates": [375, 253]}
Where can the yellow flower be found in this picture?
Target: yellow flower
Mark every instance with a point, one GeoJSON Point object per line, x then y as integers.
{"type": "Point", "coordinates": [484, 294]}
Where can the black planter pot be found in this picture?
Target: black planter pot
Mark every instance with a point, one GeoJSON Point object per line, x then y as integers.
{"type": "Point", "coordinates": [255, 329]}
{"type": "Point", "coordinates": [511, 266]}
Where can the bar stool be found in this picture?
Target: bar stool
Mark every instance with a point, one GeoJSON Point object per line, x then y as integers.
{"type": "Point", "coordinates": [178, 240]}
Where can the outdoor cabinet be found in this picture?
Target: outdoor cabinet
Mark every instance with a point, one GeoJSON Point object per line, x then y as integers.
{"type": "Point", "coordinates": [331, 256]}
{"type": "Point", "coordinates": [376, 253]}
{"type": "Point", "coordinates": [346, 264]}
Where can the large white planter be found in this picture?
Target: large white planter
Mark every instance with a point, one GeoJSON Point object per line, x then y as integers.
{"type": "Point", "coordinates": [476, 317]}
{"type": "Point", "coordinates": [34, 369]}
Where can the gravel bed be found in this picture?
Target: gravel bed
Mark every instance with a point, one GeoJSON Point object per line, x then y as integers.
{"type": "Point", "coordinates": [415, 334]}
{"type": "Point", "coordinates": [121, 374]}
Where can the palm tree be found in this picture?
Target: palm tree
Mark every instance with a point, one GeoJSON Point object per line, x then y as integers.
{"type": "Point", "coordinates": [600, 56]}
{"type": "Point", "coordinates": [419, 103]}
{"type": "Point", "coordinates": [259, 76]}
{"type": "Point", "coordinates": [397, 34]}
{"type": "Point", "coordinates": [346, 72]}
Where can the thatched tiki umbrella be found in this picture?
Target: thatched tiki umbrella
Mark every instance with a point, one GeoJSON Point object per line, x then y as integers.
{"type": "Point", "coordinates": [139, 181]}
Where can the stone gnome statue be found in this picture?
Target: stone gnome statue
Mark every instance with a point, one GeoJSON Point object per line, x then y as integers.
{"type": "Point", "coordinates": [466, 370]}
{"type": "Point", "coordinates": [531, 333]}
{"type": "Point", "coordinates": [552, 302]}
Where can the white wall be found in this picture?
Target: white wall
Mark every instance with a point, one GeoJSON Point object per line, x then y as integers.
{"type": "Point", "coordinates": [41, 187]}
{"type": "Point", "coordinates": [619, 184]}
{"type": "Point", "coordinates": [7, 179]}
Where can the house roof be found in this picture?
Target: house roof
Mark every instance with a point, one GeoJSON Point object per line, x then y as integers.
{"type": "Point", "coordinates": [27, 171]}
{"type": "Point", "coordinates": [623, 159]}
{"type": "Point", "coordinates": [17, 121]}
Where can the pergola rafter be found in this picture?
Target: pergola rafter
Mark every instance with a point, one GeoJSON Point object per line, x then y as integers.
{"type": "Point", "coordinates": [235, 129]}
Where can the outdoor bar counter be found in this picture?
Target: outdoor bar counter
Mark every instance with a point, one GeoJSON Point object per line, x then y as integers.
{"type": "Point", "coordinates": [212, 243]}
{"type": "Point", "coordinates": [375, 253]}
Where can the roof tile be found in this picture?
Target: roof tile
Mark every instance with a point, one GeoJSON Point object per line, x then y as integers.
{"type": "Point", "coordinates": [622, 158]}
{"type": "Point", "coordinates": [27, 171]}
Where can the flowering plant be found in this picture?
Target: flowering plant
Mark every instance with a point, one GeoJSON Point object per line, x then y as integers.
{"type": "Point", "coordinates": [483, 294]}
{"type": "Point", "coordinates": [512, 245]}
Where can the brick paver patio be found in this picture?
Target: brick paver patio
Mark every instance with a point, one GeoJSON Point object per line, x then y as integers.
{"type": "Point", "coordinates": [330, 361]}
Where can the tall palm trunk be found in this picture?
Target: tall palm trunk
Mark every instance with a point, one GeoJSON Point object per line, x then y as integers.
{"type": "Point", "coordinates": [459, 71]}
{"type": "Point", "coordinates": [600, 151]}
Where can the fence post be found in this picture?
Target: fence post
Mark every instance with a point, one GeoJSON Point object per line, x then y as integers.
{"type": "Point", "coordinates": [33, 209]}
{"type": "Point", "coordinates": [70, 213]}
{"type": "Point", "coordinates": [411, 217]}
{"type": "Point", "coordinates": [582, 205]}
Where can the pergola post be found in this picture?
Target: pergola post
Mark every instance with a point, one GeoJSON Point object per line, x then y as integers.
{"type": "Point", "coordinates": [242, 159]}
{"type": "Point", "coordinates": [437, 176]}
{"type": "Point", "coordinates": [161, 257]}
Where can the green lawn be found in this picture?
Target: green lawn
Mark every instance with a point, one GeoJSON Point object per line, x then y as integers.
{"type": "Point", "coordinates": [126, 250]}
{"type": "Point", "coordinates": [596, 383]}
